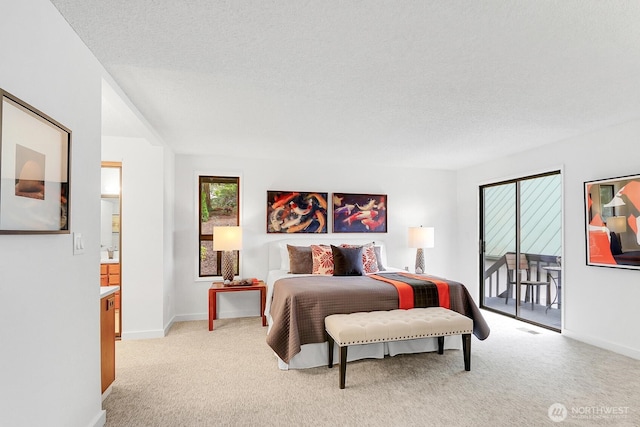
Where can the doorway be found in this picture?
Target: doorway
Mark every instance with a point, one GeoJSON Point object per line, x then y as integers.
{"type": "Point", "coordinates": [111, 234]}
{"type": "Point", "coordinates": [521, 248]}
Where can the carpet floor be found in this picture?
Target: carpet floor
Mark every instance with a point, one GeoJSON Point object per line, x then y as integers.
{"type": "Point", "coordinates": [520, 376]}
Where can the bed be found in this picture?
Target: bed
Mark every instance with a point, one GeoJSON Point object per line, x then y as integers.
{"type": "Point", "coordinates": [297, 304]}
{"type": "Point", "coordinates": [621, 257]}
{"type": "Point", "coordinates": [628, 258]}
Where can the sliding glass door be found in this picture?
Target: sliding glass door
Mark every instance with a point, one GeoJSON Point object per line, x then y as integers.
{"type": "Point", "coordinates": [520, 248]}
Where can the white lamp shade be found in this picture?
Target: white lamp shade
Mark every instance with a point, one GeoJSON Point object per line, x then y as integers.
{"type": "Point", "coordinates": [227, 238]}
{"type": "Point", "coordinates": [617, 224]}
{"type": "Point", "coordinates": [421, 237]}
{"type": "Point", "coordinates": [616, 201]}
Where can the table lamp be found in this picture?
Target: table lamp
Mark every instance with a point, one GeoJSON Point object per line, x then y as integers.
{"type": "Point", "coordinates": [227, 239]}
{"type": "Point", "coordinates": [617, 224]}
{"type": "Point", "coordinates": [420, 238]}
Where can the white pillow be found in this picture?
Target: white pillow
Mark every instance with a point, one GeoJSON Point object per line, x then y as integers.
{"type": "Point", "coordinates": [284, 257]}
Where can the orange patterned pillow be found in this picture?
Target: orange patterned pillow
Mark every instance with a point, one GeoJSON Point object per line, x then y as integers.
{"type": "Point", "coordinates": [322, 259]}
{"type": "Point", "coordinates": [369, 259]}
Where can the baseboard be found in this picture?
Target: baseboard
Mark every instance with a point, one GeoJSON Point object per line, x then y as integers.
{"type": "Point", "coordinates": [191, 317]}
{"type": "Point", "coordinates": [143, 335]}
{"type": "Point", "coordinates": [237, 313]}
{"type": "Point", "coordinates": [100, 420]}
{"type": "Point", "coordinates": [169, 325]}
{"type": "Point", "coordinates": [107, 392]}
{"type": "Point", "coordinates": [606, 345]}
{"type": "Point", "coordinates": [221, 315]}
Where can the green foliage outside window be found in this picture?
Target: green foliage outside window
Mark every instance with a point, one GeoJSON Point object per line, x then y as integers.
{"type": "Point", "coordinates": [224, 197]}
{"type": "Point", "coordinates": [219, 206]}
{"type": "Point", "coordinates": [204, 211]}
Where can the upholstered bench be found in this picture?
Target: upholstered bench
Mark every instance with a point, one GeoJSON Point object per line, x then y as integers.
{"type": "Point", "coordinates": [396, 325]}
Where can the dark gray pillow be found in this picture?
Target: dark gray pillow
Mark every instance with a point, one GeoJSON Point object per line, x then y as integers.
{"type": "Point", "coordinates": [300, 259]}
{"type": "Point", "coordinates": [347, 261]}
{"type": "Point", "coordinates": [377, 250]}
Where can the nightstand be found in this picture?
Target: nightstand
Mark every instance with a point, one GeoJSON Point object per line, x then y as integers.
{"type": "Point", "coordinates": [217, 287]}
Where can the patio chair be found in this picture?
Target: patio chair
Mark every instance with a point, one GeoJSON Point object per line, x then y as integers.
{"type": "Point", "coordinates": [510, 258]}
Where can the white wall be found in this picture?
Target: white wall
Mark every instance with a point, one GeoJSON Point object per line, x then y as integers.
{"type": "Point", "coordinates": [106, 227]}
{"type": "Point", "coordinates": [415, 197]}
{"type": "Point", "coordinates": [146, 273]}
{"type": "Point", "coordinates": [598, 303]}
{"type": "Point", "coordinates": [49, 299]}
{"type": "Point", "coordinates": [169, 297]}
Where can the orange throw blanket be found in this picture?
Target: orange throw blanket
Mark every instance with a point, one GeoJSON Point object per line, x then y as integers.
{"type": "Point", "coordinates": [405, 288]}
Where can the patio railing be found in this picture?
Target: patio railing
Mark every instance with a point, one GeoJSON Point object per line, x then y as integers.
{"type": "Point", "coordinates": [497, 272]}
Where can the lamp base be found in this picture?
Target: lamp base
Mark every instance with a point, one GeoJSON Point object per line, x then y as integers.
{"type": "Point", "coordinates": [419, 261]}
{"type": "Point", "coordinates": [227, 266]}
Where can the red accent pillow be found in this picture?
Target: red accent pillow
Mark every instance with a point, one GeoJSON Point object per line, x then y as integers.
{"type": "Point", "coordinates": [322, 259]}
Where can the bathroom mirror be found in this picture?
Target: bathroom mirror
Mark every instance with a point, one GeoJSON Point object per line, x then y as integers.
{"type": "Point", "coordinates": [110, 233]}
{"type": "Point", "coordinates": [110, 213]}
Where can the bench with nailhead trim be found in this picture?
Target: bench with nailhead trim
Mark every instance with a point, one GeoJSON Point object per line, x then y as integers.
{"type": "Point", "coordinates": [396, 325]}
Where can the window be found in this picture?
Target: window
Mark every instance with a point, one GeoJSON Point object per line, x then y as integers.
{"type": "Point", "coordinates": [522, 216]}
{"type": "Point", "coordinates": [219, 205]}
{"type": "Point", "coordinates": [606, 194]}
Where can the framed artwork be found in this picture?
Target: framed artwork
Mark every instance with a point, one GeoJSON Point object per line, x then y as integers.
{"type": "Point", "coordinates": [612, 219]}
{"type": "Point", "coordinates": [34, 170]}
{"type": "Point", "coordinates": [359, 213]}
{"type": "Point", "coordinates": [296, 212]}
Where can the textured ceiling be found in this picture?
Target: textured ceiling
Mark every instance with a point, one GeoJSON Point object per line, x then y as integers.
{"type": "Point", "coordinates": [442, 84]}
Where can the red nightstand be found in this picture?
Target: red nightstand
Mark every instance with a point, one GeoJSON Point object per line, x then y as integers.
{"type": "Point", "coordinates": [220, 287]}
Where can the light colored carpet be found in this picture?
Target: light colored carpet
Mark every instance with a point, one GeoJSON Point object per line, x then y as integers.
{"type": "Point", "coordinates": [194, 377]}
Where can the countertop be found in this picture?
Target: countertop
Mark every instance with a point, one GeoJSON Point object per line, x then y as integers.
{"type": "Point", "coordinates": [104, 257]}
{"type": "Point", "coordinates": [108, 290]}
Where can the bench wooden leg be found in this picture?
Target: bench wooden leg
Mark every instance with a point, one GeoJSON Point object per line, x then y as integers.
{"type": "Point", "coordinates": [440, 345]}
{"type": "Point", "coordinates": [343, 365]}
{"type": "Point", "coordinates": [330, 340]}
{"type": "Point", "coordinates": [466, 349]}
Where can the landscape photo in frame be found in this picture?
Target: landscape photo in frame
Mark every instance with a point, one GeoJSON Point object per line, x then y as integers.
{"type": "Point", "coordinates": [34, 170]}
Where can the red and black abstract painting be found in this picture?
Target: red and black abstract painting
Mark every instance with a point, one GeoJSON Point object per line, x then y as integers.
{"type": "Point", "coordinates": [612, 213]}
{"type": "Point", "coordinates": [359, 213]}
{"type": "Point", "coordinates": [296, 212]}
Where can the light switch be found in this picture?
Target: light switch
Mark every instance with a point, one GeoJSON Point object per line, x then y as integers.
{"type": "Point", "coordinates": [78, 244]}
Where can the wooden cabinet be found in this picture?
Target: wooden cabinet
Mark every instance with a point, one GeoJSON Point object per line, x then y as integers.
{"type": "Point", "coordinates": [110, 276]}
{"type": "Point", "coordinates": [108, 340]}
{"type": "Point", "coordinates": [104, 274]}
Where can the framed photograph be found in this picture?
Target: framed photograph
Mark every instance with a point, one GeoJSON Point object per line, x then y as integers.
{"type": "Point", "coordinates": [359, 213]}
{"type": "Point", "coordinates": [612, 218]}
{"type": "Point", "coordinates": [34, 170]}
{"type": "Point", "coordinates": [296, 212]}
